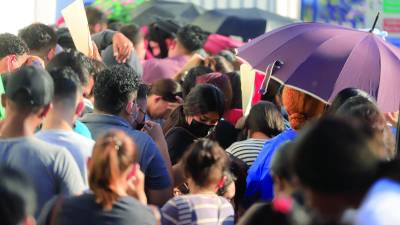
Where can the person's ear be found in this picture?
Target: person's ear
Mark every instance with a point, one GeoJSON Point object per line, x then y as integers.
{"type": "Point", "coordinates": [3, 100]}
{"type": "Point", "coordinates": [29, 220]}
{"type": "Point", "coordinates": [79, 108]}
{"type": "Point", "coordinates": [45, 110]}
{"type": "Point", "coordinates": [157, 99]}
{"type": "Point", "coordinates": [11, 62]}
{"type": "Point", "coordinates": [129, 107]}
{"type": "Point", "coordinates": [51, 54]}
{"type": "Point", "coordinates": [171, 43]}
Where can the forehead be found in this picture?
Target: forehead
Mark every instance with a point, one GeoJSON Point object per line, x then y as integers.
{"type": "Point", "coordinates": [210, 116]}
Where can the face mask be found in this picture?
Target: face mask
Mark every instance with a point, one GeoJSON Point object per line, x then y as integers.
{"type": "Point", "coordinates": [200, 129]}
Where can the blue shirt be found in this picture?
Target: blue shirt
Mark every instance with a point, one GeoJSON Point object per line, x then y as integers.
{"type": "Point", "coordinates": [150, 159]}
{"type": "Point", "coordinates": [259, 182]}
{"type": "Point", "coordinates": [82, 129]}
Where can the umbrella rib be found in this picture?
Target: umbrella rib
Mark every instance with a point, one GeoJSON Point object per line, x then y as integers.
{"type": "Point", "coordinates": [380, 64]}
{"type": "Point", "coordinates": [282, 45]}
{"type": "Point", "coordinates": [311, 52]}
{"type": "Point", "coordinates": [351, 52]}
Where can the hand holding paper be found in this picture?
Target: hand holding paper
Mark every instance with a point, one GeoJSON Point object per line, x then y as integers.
{"type": "Point", "coordinates": [76, 21]}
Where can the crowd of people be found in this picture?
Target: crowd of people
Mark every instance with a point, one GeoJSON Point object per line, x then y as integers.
{"type": "Point", "coordinates": [149, 129]}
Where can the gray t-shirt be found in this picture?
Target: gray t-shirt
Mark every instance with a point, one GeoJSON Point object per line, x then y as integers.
{"type": "Point", "coordinates": [83, 210]}
{"type": "Point", "coordinates": [79, 146]}
{"type": "Point", "coordinates": [51, 168]}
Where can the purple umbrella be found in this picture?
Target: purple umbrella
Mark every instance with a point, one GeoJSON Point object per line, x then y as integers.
{"type": "Point", "coordinates": [322, 59]}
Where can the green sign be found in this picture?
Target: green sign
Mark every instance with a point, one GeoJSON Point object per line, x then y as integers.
{"type": "Point", "coordinates": [391, 6]}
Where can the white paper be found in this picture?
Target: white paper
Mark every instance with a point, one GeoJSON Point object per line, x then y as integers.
{"type": "Point", "coordinates": [76, 21]}
{"type": "Point", "coordinates": [247, 76]}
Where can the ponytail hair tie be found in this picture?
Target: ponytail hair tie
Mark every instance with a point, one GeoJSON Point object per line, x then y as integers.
{"type": "Point", "coordinates": [282, 205]}
{"type": "Point", "coordinates": [117, 142]}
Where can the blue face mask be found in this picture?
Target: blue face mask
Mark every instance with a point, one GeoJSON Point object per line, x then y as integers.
{"type": "Point", "coordinates": [200, 129]}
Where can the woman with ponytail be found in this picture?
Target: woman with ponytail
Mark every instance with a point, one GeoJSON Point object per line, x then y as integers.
{"type": "Point", "coordinates": [117, 188]}
{"type": "Point", "coordinates": [301, 108]}
{"type": "Point", "coordinates": [204, 166]}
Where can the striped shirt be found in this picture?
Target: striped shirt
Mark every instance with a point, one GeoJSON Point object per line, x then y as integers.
{"type": "Point", "coordinates": [247, 150]}
{"type": "Point", "coordinates": [204, 209]}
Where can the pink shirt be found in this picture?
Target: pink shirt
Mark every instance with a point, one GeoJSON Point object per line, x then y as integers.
{"type": "Point", "coordinates": [156, 69]}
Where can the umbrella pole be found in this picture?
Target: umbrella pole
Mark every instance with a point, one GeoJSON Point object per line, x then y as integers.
{"type": "Point", "coordinates": [376, 20]}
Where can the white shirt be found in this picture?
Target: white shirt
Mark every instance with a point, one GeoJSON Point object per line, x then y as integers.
{"type": "Point", "coordinates": [381, 205]}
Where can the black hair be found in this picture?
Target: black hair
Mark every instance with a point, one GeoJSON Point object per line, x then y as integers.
{"type": "Point", "coordinates": [333, 156]}
{"type": "Point", "coordinates": [228, 55]}
{"type": "Point", "coordinates": [229, 179]}
{"type": "Point", "coordinates": [67, 86]}
{"type": "Point", "coordinates": [205, 162]}
{"type": "Point", "coordinates": [265, 117]}
{"type": "Point", "coordinates": [281, 165]}
{"type": "Point", "coordinates": [345, 94]}
{"type": "Point", "coordinates": [204, 98]}
{"type": "Point", "coordinates": [219, 64]}
{"type": "Point", "coordinates": [17, 196]}
{"type": "Point", "coordinates": [115, 25]}
{"type": "Point", "coordinates": [192, 37]}
{"type": "Point", "coordinates": [220, 81]}
{"type": "Point", "coordinates": [132, 32]}
{"type": "Point", "coordinates": [264, 213]}
{"type": "Point", "coordinates": [12, 45]}
{"type": "Point", "coordinates": [274, 93]}
{"type": "Point", "coordinates": [161, 30]}
{"type": "Point", "coordinates": [234, 77]}
{"type": "Point", "coordinates": [113, 88]}
{"type": "Point", "coordinates": [39, 38]}
{"type": "Point", "coordinates": [95, 16]}
{"type": "Point", "coordinates": [189, 80]}
{"type": "Point", "coordinates": [362, 109]}
{"type": "Point", "coordinates": [64, 38]}
{"type": "Point", "coordinates": [142, 92]}
{"type": "Point", "coordinates": [73, 59]}
{"type": "Point", "coordinates": [168, 89]}
{"type": "Point", "coordinates": [94, 66]}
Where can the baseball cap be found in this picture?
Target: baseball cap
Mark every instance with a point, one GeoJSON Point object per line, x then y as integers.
{"type": "Point", "coordinates": [30, 86]}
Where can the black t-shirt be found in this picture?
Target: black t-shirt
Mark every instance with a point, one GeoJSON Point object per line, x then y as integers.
{"type": "Point", "coordinates": [178, 140]}
{"type": "Point", "coordinates": [225, 134]}
{"type": "Point", "coordinates": [83, 210]}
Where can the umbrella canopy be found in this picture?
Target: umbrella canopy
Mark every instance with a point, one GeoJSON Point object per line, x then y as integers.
{"type": "Point", "coordinates": [147, 12]}
{"type": "Point", "coordinates": [232, 21]}
{"type": "Point", "coordinates": [322, 59]}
